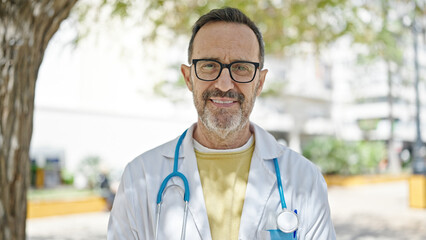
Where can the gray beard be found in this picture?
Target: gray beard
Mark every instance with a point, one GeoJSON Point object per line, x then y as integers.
{"type": "Point", "coordinates": [229, 123]}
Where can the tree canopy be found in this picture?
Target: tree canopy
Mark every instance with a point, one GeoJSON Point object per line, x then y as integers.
{"type": "Point", "coordinates": [286, 23]}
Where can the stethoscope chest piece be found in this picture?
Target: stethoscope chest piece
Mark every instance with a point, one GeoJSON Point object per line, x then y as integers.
{"type": "Point", "coordinates": [287, 221]}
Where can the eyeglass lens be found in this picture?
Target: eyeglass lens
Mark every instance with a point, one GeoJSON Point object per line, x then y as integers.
{"type": "Point", "coordinates": [240, 71]}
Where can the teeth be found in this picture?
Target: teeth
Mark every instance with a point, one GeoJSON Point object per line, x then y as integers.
{"type": "Point", "coordinates": [221, 102]}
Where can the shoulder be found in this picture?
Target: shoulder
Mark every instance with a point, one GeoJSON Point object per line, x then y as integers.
{"type": "Point", "coordinates": [165, 149]}
{"type": "Point", "coordinates": [157, 160]}
{"type": "Point", "coordinates": [300, 167]}
{"type": "Point", "coordinates": [291, 163]}
{"type": "Point", "coordinates": [143, 164]}
{"type": "Point", "coordinates": [297, 161]}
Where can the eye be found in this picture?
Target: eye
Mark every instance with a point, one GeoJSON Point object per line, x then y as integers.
{"type": "Point", "coordinates": [242, 68]}
{"type": "Point", "coordinates": [208, 66]}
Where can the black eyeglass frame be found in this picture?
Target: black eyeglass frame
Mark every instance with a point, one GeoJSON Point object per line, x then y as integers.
{"type": "Point", "coordinates": [222, 66]}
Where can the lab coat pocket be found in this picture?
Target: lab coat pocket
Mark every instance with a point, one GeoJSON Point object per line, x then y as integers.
{"type": "Point", "coordinates": [277, 234]}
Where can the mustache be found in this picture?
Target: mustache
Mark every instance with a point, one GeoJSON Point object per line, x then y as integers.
{"type": "Point", "coordinates": [218, 93]}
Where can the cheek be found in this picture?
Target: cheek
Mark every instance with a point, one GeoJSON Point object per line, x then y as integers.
{"type": "Point", "coordinates": [199, 87]}
{"type": "Point", "coordinates": [250, 91]}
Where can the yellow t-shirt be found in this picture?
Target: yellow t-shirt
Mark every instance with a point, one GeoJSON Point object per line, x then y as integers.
{"type": "Point", "coordinates": [224, 177]}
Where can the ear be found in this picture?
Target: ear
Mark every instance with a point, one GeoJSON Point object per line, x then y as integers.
{"type": "Point", "coordinates": [186, 73]}
{"type": "Point", "coordinates": [262, 77]}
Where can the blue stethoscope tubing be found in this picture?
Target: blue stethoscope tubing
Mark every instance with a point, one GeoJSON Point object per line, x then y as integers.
{"type": "Point", "coordinates": [287, 220]}
{"type": "Point", "coordinates": [163, 189]}
{"type": "Point", "coordinates": [285, 214]}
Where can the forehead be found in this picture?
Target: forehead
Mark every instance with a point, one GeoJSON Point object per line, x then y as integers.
{"type": "Point", "coordinates": [226, 41]}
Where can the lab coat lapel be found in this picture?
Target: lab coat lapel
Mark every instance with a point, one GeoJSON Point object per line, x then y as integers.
{"type": "Point", "coordinates": [261, 182]}
{"type": "Point", "coordinates": [188, 166]}
{"type": "Point", "coordinates": [259, 187]}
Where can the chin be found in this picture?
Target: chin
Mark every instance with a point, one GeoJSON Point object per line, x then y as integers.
{"type": "Point", "coordinates": [224, 126]}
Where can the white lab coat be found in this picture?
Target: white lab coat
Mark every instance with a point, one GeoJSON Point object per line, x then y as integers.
{"type": "Point", "coordinates": [133, 214]}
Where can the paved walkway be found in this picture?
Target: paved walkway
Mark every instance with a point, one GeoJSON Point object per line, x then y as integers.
{"type": "Point", "coordinates": [378, 212]}
{"type": "Point", "coordinates": [91, 226]}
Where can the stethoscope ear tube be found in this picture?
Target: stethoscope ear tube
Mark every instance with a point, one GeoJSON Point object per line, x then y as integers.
{"type": "Point", "coordinates": [158, 210]}
{"type": "Point", "coordinates": [185, 217]}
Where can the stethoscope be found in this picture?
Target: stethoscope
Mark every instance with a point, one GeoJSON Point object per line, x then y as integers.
{"type": "Point", "coordinates": [287, 220]}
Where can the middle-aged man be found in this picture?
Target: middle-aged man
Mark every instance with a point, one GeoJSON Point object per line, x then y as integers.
{"type": "Point", "coordinates": [233, 169]}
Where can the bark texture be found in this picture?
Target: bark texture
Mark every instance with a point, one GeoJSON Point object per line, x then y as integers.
{"type": "Point", "coordinates": [26, 26]}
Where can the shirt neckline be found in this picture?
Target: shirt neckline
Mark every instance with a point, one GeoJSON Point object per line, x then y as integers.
{"type": "Point", "coordinates": [202, 149]}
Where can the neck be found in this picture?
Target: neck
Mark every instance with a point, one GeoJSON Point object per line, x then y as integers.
{"type": "Point", "coordinates": [213, 140]}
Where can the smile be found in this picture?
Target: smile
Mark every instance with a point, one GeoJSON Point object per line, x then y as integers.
{"type": "Point", "coordinates": [222, 102]}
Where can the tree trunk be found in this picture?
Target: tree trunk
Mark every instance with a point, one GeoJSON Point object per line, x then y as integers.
{"type": "Point", "coordinates": [26, 26]}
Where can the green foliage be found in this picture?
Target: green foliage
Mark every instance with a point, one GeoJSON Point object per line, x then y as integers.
{"type": "Point", "coordinates": [368, 124]}
{"type": "Point", "coordinates": [121, 8]}
{"type": "Point", "coordinates": [369, 155]}
{"type": "Point", "coordinates": [335, 156]}
{"type": "Point", "coordinates": [67, 177]}
{"type": "Point", "coordinates": [283, 23]}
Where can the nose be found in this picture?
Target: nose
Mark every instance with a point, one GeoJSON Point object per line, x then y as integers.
{"type": "Point", "coordinates": [224, 81]}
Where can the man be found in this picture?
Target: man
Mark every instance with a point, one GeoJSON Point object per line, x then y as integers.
{"type": "Point", "coordinates": [233, 168]}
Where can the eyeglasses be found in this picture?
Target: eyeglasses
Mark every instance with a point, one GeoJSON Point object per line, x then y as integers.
{"type": "Point", "coordinates": [210, 70]}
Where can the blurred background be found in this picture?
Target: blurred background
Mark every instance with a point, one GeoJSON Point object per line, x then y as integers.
{"type": "Point", "coordinates": [345, 87]}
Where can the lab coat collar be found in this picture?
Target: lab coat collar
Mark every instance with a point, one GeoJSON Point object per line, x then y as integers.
{"type": "Point", "coordinates": [187, 143]}
{"type": "Point", "coordinates": [266, 146]}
